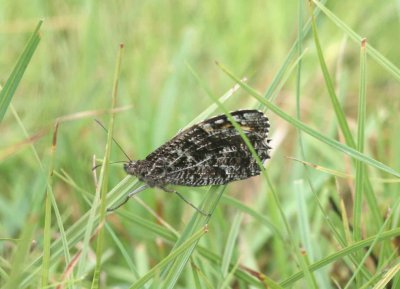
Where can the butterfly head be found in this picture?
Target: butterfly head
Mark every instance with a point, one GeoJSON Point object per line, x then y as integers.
{"type": "Point", "coordinates": [131, 168]}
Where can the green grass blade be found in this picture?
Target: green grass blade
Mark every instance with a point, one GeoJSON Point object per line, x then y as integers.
{"type": "Point", "coordinates": [196, 276]}
{"type": "Point", "coordinates": [340, 116]}
{"type": "Point", "coordinates": [103, 181]}
{"type": "Point", "coordinates": [47, 218]}
{"type": "Point", "coordinates": [15, 77]}
{"type": "Point", "coordinates": [21, 254]}
{"type": "Point", "coordinates": [172, 273]}
{"type": "Point", "coordinates": [171, 237]}
{"type": "Point", "coordinates": [368, 253]}
{"type": "Point", "coordinates": [375, 54]}
{"type": "Point", "coordinates": [269, 283]}
{"type": "Point", "coordinates": [228, 278]}
{"type": "Point", "coordinates": [390, 274]}
{"type": "Point", "coordinates": [38, 198]}
{"type": "Point", "coordinates": [230, 245]}
{"type": "Point", "coordinates": [80, 228]}
{"type": "Point", "coordinates": [255, 156]}
{"type": "Point", "coordinates": [84, 227]}
{"type": "Point", "coordinates": [124, 251]}
{"type": "Point", "coordinates": [37, 205]}
{"type": "Point", "coordinates": [396, 281]}
{"type": "Point", "coordinates": [210, 109]}
{"type": "Point", "coordinates": [351, 249]}
{"type": "Point", "coordinates": [308, 274]}
{"type": "Point", "coordinates": [265, 221]}
{"type": "Point", "coordinates": [360, 176]}
{"type": "Point", "coordinates": [298, 124]}
{"type": "Point", "coordinates": [170, 258]}
{"type": "Point", "coordinates": [74, 234]}
{"type": "Point", "coordinates": [151, 227]}
{"type": "Point", "coordinates": [296, 47]}
{"type": "Point", "coordinates": [303, 221]}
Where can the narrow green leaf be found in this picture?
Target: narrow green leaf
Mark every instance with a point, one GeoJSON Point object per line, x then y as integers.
{"type": "Point", "coordinates": [340, 115]}
{"type": "Point", "coordinates": [230, 245]}
{"type": "Point", "coordinates": [38, 200]}
{"type": "Point", "coordinates": [102, 187]}
{"type": "Point", "coordinates": [303, 221]}
{"type": "Point", "coordinates": [269, 283]}
{"type": "Point", "coordinates": [228, 278]}
{"type": "Point", "coordinates": [248, 144]}
{"type": "Point", "coordinates": [75, 233]}
{"type": "Point", "coordinates": [387, 235]}
{"type": "Point", "coordinates": [13, 80]}
{"type": "Point", "coordinates": [368, 253]}
{"type": "Point", "coordinates": [179, 250]}
{"type": "Point", "coordinates": [256, 215]}
{"type": "Point", "coordinates": [196, 277]}
{"type": "Point", "coordinates": [210, 109]}
{"type": "Point", "coordinates": [388, 276]}
{"type": "Point", "coordinates": [124, 251]}
{"type": "Point", "coordinates": [296, 47]}
{"type": "Point", "coordinates": [375, 54]}
{"type": "Point", "coordinates": [298, 124]}
{"type": "Point", "coordinates": [21, 254]}
{"type": "Point", "coordinates": [308, 274]}
{"type": "Point", "coordinates": [47, 221]}
{"type": "Point", "coordinates": [358, 197]}
{"type": "Point", "coordinates": [174, 271]}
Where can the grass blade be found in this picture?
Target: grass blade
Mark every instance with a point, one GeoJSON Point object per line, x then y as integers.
{"type": "Point", "coordinates": [173, 272]}
{"type": "Point", "coordinates": [375, 54]}
{"type": "Point", "coordinates": [298, 124]}
{"type": "Point", "coordinates": [21, 254]}
{"type": "Point", "coordinates": [103, 181]}
{"type": "Point", "coordinates": [230, 245]}
{"type": "Point", "coordinates": [308, 251]}
{"type": "Point", "coordinates": [15, 77]}
{"type": "Point", "coordinates": [388, 276]}
{"type": "Point", "coordinates": [47, 218]}
{"type": "Point", "coordinates": [368, 253]}
{"type": "Point", "coordinates": [340, 116]}
{"type": "Point", "coordinates": [358, 196]}
{"type": "Point", "coordinates": [372, 202]}
{"type": "Point", "coordinates": [178, 251]}
{"type": "Point", "coordinates": [342, 253]}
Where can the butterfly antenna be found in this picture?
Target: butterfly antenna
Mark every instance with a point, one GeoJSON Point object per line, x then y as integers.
{"type": "Point", "coordinates": [99, 165]}
{"type": "Point", "coordinates": [118, 145]}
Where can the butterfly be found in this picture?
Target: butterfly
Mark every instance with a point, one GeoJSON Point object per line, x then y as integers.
{"type": "Point", "coordinates": [211, 152]}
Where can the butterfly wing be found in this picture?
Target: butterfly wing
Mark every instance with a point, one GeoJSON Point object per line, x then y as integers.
{"type": "Point", "coordinates": [212, 152]}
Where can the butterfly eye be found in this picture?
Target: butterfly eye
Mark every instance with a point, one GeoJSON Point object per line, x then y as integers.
{"type": "Point", "coordinates": [130, 167]}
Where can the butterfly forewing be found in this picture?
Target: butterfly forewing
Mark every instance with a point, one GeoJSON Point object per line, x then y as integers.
{"type": "Point", "coordinates": [212, 152]}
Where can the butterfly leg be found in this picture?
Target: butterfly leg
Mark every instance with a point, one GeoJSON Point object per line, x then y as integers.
{"type": "Point", "coordinates": [186, 201]}
{"type": "Point", "coordinates": [128, 196]}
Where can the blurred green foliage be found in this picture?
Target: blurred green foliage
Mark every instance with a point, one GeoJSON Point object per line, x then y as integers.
{"type": "Point", "coordinates": [70, 79]}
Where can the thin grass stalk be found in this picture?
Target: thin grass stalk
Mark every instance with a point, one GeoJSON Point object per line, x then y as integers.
{"type": "Point", "coordinates": [103, 181]}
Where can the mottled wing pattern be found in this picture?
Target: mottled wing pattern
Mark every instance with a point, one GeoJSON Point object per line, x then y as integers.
{"type": "Point", "coordinates": [212, 152]}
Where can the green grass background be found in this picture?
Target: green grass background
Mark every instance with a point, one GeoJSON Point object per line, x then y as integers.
{"type": "Point", "coordinates": [279, 229]}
